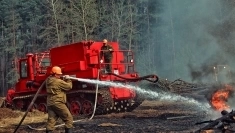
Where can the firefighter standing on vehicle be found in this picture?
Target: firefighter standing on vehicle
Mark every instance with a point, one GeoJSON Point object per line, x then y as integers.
{"type": "Point", "coordinates": [56, 100]}
{"type": "Point", "coordinates": [107, 53]}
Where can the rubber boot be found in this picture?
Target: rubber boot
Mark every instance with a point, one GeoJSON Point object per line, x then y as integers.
{"type": "Point", "coordinates": [48, 131]}
{"type": "Point", "coordinates": [68, 130]}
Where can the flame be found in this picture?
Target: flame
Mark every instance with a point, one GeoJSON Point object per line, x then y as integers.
{"type": "Point", "coordinates": [220, 97]}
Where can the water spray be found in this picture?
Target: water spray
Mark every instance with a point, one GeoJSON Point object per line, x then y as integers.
{"type": "Point", "coordinates": [148, 93]}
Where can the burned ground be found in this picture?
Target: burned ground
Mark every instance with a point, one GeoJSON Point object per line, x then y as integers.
{"type": "Point", "coordinates": [151, 116]}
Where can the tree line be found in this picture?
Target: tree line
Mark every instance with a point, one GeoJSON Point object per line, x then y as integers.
{"type": "Point", "coordinates": [29, 26]}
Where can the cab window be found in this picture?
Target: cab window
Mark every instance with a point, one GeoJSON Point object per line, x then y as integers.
{"type": "Point", "coordinates": [23, 69]}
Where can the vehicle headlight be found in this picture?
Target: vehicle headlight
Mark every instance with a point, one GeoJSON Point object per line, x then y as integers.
{"type": "Point", "coordinates": [116, 72]}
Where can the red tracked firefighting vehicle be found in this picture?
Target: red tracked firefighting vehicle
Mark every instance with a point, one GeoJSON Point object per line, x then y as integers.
{"type": "Point", "coordinates": [81, 60]}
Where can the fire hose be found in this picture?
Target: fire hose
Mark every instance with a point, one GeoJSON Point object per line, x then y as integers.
{"type": "Point", "coordinates": [72, 78]}
{"type": "Point", "coordinates": [30, 105]}
{"type": "Point", "coordinates": [155, 77]}
{"type": "Point", "coordinates": [35, 97]}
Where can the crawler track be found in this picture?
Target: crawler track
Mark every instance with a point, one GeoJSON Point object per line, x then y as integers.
{"type": "Point", "coordinates": [105, 103]}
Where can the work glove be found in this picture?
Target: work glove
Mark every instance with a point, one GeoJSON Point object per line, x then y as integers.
{"type": "Point", "coordinates": [65, 77]}
{"type": "Point", "coordinates": [101, 61]}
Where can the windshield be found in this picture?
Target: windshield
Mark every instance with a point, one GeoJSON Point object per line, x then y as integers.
{"type": "Point", "coordinates": [23, 69]}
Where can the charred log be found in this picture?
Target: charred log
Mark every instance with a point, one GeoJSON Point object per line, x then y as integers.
{"type": "Point", "coordinates": [223, 123]}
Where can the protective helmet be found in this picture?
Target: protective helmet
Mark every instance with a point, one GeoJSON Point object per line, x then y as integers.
{"type": "Point", "coordinates": [56, 70]}
{"type": "Point", "coordinates": [105, 41]}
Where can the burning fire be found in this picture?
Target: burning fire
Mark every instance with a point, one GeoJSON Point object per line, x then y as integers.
{"type": "Point", "coordinates": [220, 97]}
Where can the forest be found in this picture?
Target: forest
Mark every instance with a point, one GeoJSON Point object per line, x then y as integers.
{"type": "Point", "coordinates": [171, 38]}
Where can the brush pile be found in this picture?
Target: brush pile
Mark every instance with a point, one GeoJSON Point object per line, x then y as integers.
{"type": "Point", "coordinates": [178, 86]}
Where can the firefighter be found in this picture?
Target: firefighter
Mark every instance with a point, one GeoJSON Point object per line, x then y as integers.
{"type": "Point", "coordinates": [107, 53]}
{"type": "Point", "coordinates": [56, 100]}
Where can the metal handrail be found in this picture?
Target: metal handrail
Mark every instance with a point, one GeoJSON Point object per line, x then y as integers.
{"type": "Point", "coordinates": [129, 64]}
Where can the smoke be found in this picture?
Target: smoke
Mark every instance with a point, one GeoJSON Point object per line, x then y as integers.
{"type": "Point", "coordinates": [195, 40]}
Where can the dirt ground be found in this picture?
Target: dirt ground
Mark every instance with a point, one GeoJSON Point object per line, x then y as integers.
{"type": "Point", "coordinates": [150, 117]}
